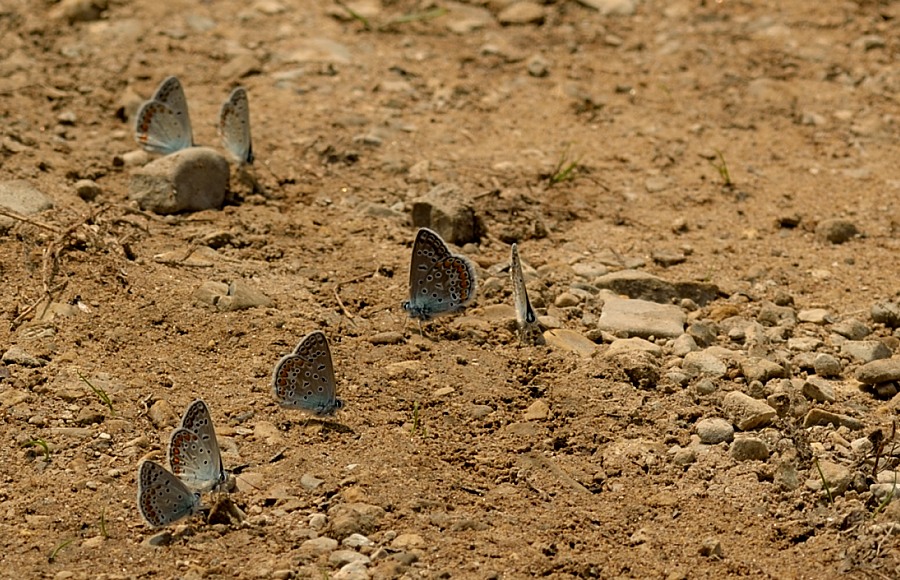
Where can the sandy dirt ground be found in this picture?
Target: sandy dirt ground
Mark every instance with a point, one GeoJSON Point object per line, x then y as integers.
{"type": "Point", "coordinates": [697, 141]}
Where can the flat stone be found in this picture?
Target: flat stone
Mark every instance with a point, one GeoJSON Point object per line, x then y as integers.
{"type": "Point", "coordinates": [818, 316]}
{"type": "Point", "coordinates": [637, 284]}
{"type": "Point", "coordinates": [703, 363]}
{"type": "Point", "coordinates": [836, 231]}
{"type": "Point", "coordinates": [817, 389]}
{"type": "Point", "coordinates": [824, 418]}
{"type": "Point", "coordinates": [746, 412]}
{"type": "Point", "coordinates": [879, 371]}
{"type": "Point", "coordinates": [565, 339]}
{"type": "Point", "coordinates": [629, 344]}
{"type": "Point", "coordinates": [447, 211]}
{"type": "Point", "coordinates": [714, 430]}
{"type": "Point", "coordinates": [826, 365]}
{"type": "Point", "coordinates": [749, 449]}
{"type": "Point", "coordinates": [641, 318]}
{"type": "Point", "coordinates": [353, 571]}
{"type": "Point", "coordinates": [192, 179]}
{"type": "Point", "coordinates": [865, 351]}
{"type": "Point", "coordinates": [851, 329]}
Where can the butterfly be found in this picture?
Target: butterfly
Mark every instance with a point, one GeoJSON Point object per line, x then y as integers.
{"type": "Point", "coordinates": [439, 282]}
{"type": "Point", "coordinates": [162, 498]}
{"type": "Point", "coordinates": [194, 454]}
{"type": "Point", "coordinates": [304, 379]}
{"type": "Point", "coordinates": [526, 319]}
{"type": "Point", "coordinates": [234, 126]}
{"type": "Point", "coordinates": [162, 124]}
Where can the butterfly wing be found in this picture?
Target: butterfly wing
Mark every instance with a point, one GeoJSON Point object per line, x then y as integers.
{"type": "Point", "coordinates": [162, 497]}
{"type": "Point", "coordinates": [159, 129]}
{"type": "Point", "coordinates": [526, 317]}
{"type": "Point", "coordinates": [171, 93]}
{"type": "Point", "coordinates": [305, 379]}
{"type": "Point", "coordinates": [194, 453]}
{"type": "Point", "coordinates": [234, 126]}
{"type": "Point", "coordinates": [439, 282]}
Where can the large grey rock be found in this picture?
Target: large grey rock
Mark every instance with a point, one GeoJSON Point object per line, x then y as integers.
{"type": "Point", "coordinates": [641, 318]}
{"type": "Point", "coordinates": [23, 198]}
{"type": "Point", "coordinates": [879, 371]}
{"type": "Point", "coordinates": [714, 430]}
{"type": "Point", "coordinates": [865, 351]}
{"type": "Point", "coordinates": [192, 179]}
{"type": "Point", "coordinates": [445, 210]}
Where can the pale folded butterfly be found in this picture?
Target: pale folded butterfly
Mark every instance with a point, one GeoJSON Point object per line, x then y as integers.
{"type": "Point", "coordinates": [304, 379]}
{"type": "Point", "coordinates": [526, 319]}
{"type": "Point", "coordinates": [194, 454]}
{"type": "Point", "coordinates": [162, 124]}
{"type": "Point", "coordinates": [234, 126]}
{"type": "Point", "coordinates": [440, 282]}
{"type": "Point", "coordinates": [162, 498]}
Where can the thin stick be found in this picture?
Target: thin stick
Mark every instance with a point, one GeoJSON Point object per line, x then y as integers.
{"type": "Point", "coordinates": [19, 217]}
{"type": "Point", "coordinates": [342, 307]}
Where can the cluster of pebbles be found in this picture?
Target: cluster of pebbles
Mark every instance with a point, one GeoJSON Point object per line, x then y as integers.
{"type": "Point", "coordinates": [780, 384]}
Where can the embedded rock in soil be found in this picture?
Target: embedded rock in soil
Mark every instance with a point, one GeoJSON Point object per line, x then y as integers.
{"type": "Point", "coordinates": [570, 340]}
{"type": "Point", "coordinates": [746, 412]}
{"type": "Point", "coordinates": [445, 210]}
{"type": "Point", "coordinates": [21, 197]}
{"type": "Point", "coordinates": [192, 179]}
{"type": "Point", "coordinates": [836, 231]}
{"type": "Point", "coordinates": [714, 430]}
{"type": "Point", "coordinates": [749, 449]}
